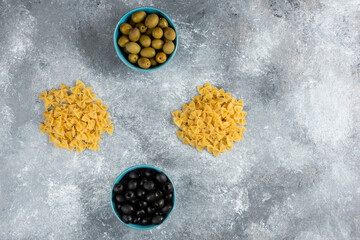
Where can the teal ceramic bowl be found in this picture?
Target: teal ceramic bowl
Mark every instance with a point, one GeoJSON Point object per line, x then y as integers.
{"type": "Point", "coordinates": [118, 179]}
{"type": "Point", "coordinates": [125, 19]}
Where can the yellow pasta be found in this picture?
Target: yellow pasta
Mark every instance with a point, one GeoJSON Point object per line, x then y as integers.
{"type": "Point", "coordinates": [73, 118]}
{"type": "Point", "coordinates": [212, 120]}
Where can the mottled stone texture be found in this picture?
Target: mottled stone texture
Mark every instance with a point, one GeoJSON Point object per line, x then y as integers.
{"type": "Point", "coordinates": [295, 63]}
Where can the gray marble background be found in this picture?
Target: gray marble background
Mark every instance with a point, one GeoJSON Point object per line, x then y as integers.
{"type": "Point", "coordinates": [295, 63]}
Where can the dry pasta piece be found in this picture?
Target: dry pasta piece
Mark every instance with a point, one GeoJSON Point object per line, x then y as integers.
{"type": "Point", "coordinates": [212, 120]}
{"type": "Point", "coordinates": [74, 120]}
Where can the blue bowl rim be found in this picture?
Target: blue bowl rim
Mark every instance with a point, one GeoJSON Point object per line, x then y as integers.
{"type": "Point", "coordinates": [121, 55]}
{"type": "Point", "coordinates": [117, 180]}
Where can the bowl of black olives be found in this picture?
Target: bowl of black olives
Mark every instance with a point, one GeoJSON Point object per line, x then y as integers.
{"type": "Point", "coordinates": [145, 39]}
{"type": "Point", "coordinates": [143, 197]}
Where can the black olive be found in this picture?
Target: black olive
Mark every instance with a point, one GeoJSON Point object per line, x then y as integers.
{"type": "Point", "coordinates": [159, 203]}
{"type": "Point", "coordinates": [129, 195]}
{"type": "Point", "coordinates": [124, 182]}
{"type": "Point", "coordinates": [167, 208]}
{"type": "Point", "coordinates": [140, 193]}
{"type": "Point", "coordinates": [149, 185]}
{"type": "Point", "coordinates": [127, 209]}
{"type": "Point", "coordinates": [141, 171]}
{"type": "Point", "coordinates": [142, 204]}
{"type": "Point", "coordinates": [118, 206]}
{"type": "Point", "coordinates": [150, 210]}
{"type": "Point", "coordinates": [137, 220]}
{"type": "Point", "coordinates": [140, 212]}
{"type": "Point", "coordinates": [168, 187]}
{"type": "Point", "coordinates": [152, 196]}
{"type": "Point", "coordinates": [169, 197]}
{"type": "Point", "coordinates": [160, 193]}
{"type": "Point", "coordinates": [134, 174]}
{"type": "Point", "coordinates": [161, 177]}
{"type": "Point", "coordinates": [157, 194]}
{"type": "Point", "coordinates": [156, 220]}
{"type": "Point", "coordinates": [146, 220]}
{"type": "Point", "coordinates": [127, 218]}
{"type": "Point", "coordinates": [120, 198]}
{"type": "Point", "coordinates": [142, 181]}
{"type": "Point", "coordinates": [148, 172]}
{"type": "Point", "coordinates": [118, 188]}
{"type": "Point", "coordinates": [134, 201]}
{"type": "Point", "coordinates": [158, 213]}
{"type": "Point", "coordinates": [132, 185]}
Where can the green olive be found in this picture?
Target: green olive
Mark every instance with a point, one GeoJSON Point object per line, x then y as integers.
{"type": "Point", "coordinates": [166, 40]}
{"type": "Point", "coordinates": [168, 47]}
{"type": "Point", "coordinates": [145, 40]}
{"type": "Point", "coordinates": [134, 34]}
{"type": "Point", "coordinates": [163, 23]}
{"type": "Point", "coordinates": [160, 57]}
{"type": "Point", "coordinates": [125, 28]}
{"type": "Point", "coordinates": [157, 44]}
{"type": "Point", "coordinates": [152, 20]}
{"type": "Point", "coordinates": [149, 31]}
{"type": "Point", "coordinates": [144, 62]}
{"type": "Point", "coordinates": [169, 33]}
{"type": "Point", "coordinates": [123, 40]}
{"type": "Point", "coordinates": [133, 58]}
{"type": "Point", "coordinates": [138, 16]}
{"type": "Point", "coordinates": [157, 33]}
{"type": "Point", "coordinates": [131, 22]}
{"type": "Point", "coordinates": [125, 51]}
{"type": "Point", "coordinates": [141, 27]}
{"type": "Point", "coordinates": [153, 62]}
{"type": "Point", "coordinates": [133, 47]}
{"type": "Point", "coordinates": [148, 52]}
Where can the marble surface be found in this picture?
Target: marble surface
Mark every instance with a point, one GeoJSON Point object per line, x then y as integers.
{"type": "Point", "coordinates": [295, 63]}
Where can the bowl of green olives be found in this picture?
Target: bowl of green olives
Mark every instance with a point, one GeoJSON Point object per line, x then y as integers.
{"type": "Point", "coordinates": [142, 197]}
{"type": "Point", "coordinates": [145, 39]}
